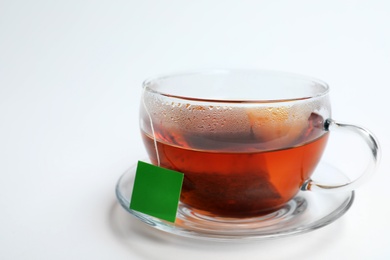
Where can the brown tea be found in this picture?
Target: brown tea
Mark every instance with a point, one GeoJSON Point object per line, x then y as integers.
{"type": "Point", "coordinates": [234, 175]}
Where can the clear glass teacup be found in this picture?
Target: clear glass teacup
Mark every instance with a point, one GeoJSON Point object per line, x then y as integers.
{"type": "Point", "coordinates": [247, 141]}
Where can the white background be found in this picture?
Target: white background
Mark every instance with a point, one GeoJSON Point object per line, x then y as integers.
{"type": "Point", "coordinates": [70, 82]}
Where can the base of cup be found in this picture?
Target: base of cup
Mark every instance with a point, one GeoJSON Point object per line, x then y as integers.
{"type": "Point", "coordinates": [305, 212]}
{"type": "Point", "coordinates": [289, 211]}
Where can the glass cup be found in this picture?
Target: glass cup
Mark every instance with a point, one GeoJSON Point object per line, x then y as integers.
{"type": "Point", "coordinates": [247, 141]}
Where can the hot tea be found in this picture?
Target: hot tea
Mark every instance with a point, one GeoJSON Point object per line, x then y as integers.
{"type": "Point", "coordinates": [247, 141]}
{"type": "Point", "coordinates": [235, 174]}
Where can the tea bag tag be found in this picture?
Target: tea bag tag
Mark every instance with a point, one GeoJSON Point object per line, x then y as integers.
{"type": "Point", "coordinates": [156, 191]}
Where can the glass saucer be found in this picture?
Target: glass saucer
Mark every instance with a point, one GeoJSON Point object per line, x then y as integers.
{"type": "Point", "coordinates": [306, 212]}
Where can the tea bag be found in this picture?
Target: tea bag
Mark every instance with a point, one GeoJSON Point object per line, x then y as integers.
{"type": "Point", "coordinates": [278, 127]}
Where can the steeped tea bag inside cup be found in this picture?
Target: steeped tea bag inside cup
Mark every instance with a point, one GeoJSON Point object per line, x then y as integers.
{"type": "Point", "coordinates": [277, 127]}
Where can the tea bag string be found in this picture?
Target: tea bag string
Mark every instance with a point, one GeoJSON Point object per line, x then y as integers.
{"type": "Point", "coordinates": [151, 127]}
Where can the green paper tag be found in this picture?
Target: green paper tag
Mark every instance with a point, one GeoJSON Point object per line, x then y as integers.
{"type": "Point", "coordinates": [156, 191]}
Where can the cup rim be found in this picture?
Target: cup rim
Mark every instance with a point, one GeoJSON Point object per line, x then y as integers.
{"type": "Point", "coordinates": [147, 85]}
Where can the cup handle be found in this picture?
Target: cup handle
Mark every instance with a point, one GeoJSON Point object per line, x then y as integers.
{"type": "Point", "coordinates": [375, 152]}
